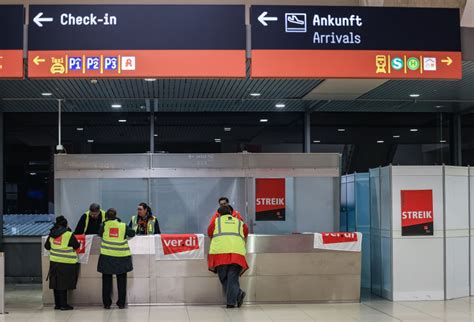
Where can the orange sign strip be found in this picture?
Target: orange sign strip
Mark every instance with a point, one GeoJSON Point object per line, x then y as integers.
{"type": "Point", "coordinates": [136, 63]}
{"type": "Point", "coordinates": [356, 64]}
{"type": "Point", "coordinates": [11, 63]}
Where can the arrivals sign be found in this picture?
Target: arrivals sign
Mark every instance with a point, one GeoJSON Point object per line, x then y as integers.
{"type": "Point", "coordinates": [417, 212]}
{"type": "Point", "coordinates": [270, 199]}
{"type": "Point", "coordinates": [179, 246]}
{"type": "Point", "coordinates": [112, 41]}
{"type": "Point", "coordinates": [355, 42]}
{"type": "Point", "coordinates": [11, 41]}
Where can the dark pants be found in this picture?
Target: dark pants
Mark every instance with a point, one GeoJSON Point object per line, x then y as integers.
{"type": "Point", "coordinates": [107, 289]}
{"type": "Point", "coordinates": [229, 277]}
{"type": "Point", "coordinates": [60, 298]}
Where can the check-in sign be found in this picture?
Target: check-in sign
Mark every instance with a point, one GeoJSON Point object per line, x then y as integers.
{"type": "Point", "coordinates": [355, 42]}
{"type": "Point", "coordinates": [114, 41]}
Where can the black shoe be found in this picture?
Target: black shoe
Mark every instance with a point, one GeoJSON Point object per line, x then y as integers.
{"type": "Point", "coordinates": [66, 308]}
{"type": "Point", "coordinates": [107, 307]}
{"type": "Point", "coordinates": [230, 306]}
{"type": "Point", "coordinates": [121, 307]}
{"type": "Point", "coordinates": [56, 307]}
{"type": "Point", "coordinates": [240, 299]}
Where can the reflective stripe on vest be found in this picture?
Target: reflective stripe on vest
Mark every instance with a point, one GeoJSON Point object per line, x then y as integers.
{"type": "Point", "coordinates": [150, 225]}
{"type": "Point", "coordinates": [102, 212]}
{"type": "Point", "coordinates": [228, 236]}
{"type": "Point", "coordinates": [60, 252]}
{"type": "Point", "coordinates": [113, 240]}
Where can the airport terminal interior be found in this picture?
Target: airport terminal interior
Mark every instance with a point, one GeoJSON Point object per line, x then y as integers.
{"type": "Point", "coordinates": [318, 152]}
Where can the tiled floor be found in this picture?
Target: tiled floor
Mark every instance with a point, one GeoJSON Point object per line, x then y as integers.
{"type": "Point", "coordinates": [24, 304]}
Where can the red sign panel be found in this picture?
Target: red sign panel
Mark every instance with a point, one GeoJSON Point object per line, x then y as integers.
{"type": "Point", "coordinates": [136, 63]}
{"type": "Point", "coordinates": [11, 63]}
{"type": "Point", "coordinates": [417, 212]}
{"type": "Point", "coordinates": [179, 243]}
{"type": "Point", "coordinates": [356, 64]}
{"type": "Point", "coordinates": [335, 238]}
{"type": "Point", "coordinates": [270, 200]}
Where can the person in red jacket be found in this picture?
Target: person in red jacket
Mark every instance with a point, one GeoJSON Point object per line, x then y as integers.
{"type": "Point", "coordinates": [224, 202]}
{"type": "Point", "coordinates": [228, 266]}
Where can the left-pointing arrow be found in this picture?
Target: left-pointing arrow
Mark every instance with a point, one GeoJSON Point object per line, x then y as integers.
{"type": "Point", "coordinates": [263, 18]}
{"type": "Point", "coordinates": [38, 19]}
{"type": "Point", "coordinates": [37, 60]}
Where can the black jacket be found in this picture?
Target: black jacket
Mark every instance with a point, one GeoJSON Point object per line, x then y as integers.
{"type": "Point", "coordinates": [92, 228]}
{"type": "Point", "coordinates": [115, 265]}
{"type": "Point", "coordinates": [62, 276]}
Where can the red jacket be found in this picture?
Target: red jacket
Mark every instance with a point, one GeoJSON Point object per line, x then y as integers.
{"type": "Point", "coordinates": [214, 260]}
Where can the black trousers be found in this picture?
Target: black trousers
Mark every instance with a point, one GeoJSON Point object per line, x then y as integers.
{"type": "Point", "coordinates": [107, 289]}
{"type": "Point", "coordinates": [60, 298]}
{"type": "Point", "coordinates": [229, 277]}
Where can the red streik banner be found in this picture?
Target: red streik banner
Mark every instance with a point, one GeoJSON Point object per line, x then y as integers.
{"type": "Point", "coordinates": [180, 246]}
{"type": "Point", "coordinates": [270, 199]}
{"type": "Point", "coordinates": [334, 238]}
{"type": "Point", "coordinates": [417, 212]}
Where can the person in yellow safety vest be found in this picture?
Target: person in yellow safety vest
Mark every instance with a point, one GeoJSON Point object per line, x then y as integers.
{"type": "Point", "coordinates": [144, 223]}
{"type": "Point", "coordinates": [90, 221]}
{"type": "Point", "coordinates": [226, 257]}
{"type": "Point", "coordinates": [115, 258]}
{"type": "Point", "coordinates": [63, 265]}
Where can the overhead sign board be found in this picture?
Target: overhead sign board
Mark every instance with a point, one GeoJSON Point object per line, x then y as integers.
{"type": "Point", "coordinates": [136, 41]}
{"type": "Point", "coordinates": [11, 41]}
{"type": "Point", "coordinates": [355, 42]}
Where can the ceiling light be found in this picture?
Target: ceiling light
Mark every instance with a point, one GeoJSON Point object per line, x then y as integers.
{"type": "Point", "coordinates": [379, 141]}
{"type": "Point", "coordinates": [217, 140]}
{"type": "Point", "coordinates": [122, 121]}
{"type": "Point", "coordinates": [80, 129]}
{"type": "Point", "coordinates": [116, 105]}
{"type": "Point", "coordinates": [142, 107]}
{"type": "Point", "coordinates": [396, 136]}
{"type": "Point", "coordinates": [46, 94]}
{"type": "Point", "coordinates": [414, 95]}
{"type": "Point", "coordinates": [280, 105]}
{"type": "Point", "coordinates": [155, 135]}
{"type": "Point", "coordinates": [255, 94]}
{"type": "Point", "coordinates": [150, 79]}
{"type": "Point", "coordinates": [341, 130]}
{"type": "Point", "coordinates": [442, 141]}
{"type": "Point", "coordinates": [93, 81]}
{"type": "Point", "coordinates": [90, 141]}
{"type": "Point", "coordinates": [227, 129]}
{"type": "Point", "coordinates": [438, 106]}
{"type": "Point", "coordinates": [32, 173]}
{"type": "Point", "coordinates": [413, 130]}
{"type": "Point", "coordinates": [316, 141]}
{"type": "Point", "coordinates": [263, 120]}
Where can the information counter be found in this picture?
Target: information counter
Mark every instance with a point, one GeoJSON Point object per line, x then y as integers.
{"type": "Point", "coordinates": [283, 269]}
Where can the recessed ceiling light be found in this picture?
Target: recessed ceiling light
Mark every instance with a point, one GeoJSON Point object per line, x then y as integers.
{"type": "Point", "coordinates": [442, 141]}
{"type": "Point", "coordinates": [90, 141]}
{"type": "Point", "coordinates": [46, 94]}
{"type": "Point", "coordinates": [280, 105]}
{"type": "Point", "coordinates": [414, 95]}
{"type": "Point", "coordinates": [142, 107]}
{"type": "Point", "coordinates": [155, 135]}
{"type": "Point", "coordinates": [122, 121]}
{"type": "Point", "coordinates": [438, 106]}
{"type": "Point", "coordinates": [263, 120]}
{"type": "Point", "coordinates": [413, 130]}
{"type": "Point", "coordinates": [116, 105]}
{"type": "Point", "coordinates": [396, 136]}
{"type": "Point", "coordinates": [255, 94]}
{"type": "Point", "coordinates": [150, 79]}
{"type": "Point", "coordinates": [80, 129]}
{"type": "Point", "coordinates": [316, 141]}
{"type": "Point", "coordinates": [380, 141]}
{"type": "Point", "coordinates": [227, 129]}
{"type": "Point", "coordinates": [93, 81]}
{"type": "Point", "coordinates": [217, 140]}
{"type": "Point", "coordinates": [32, 173]}
{"type": "Point", "coordinates": [341, 130]}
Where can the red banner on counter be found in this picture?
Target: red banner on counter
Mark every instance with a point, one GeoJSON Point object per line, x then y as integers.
{"type": "Point", "coordinates": [334, 238]}
{"type": "Point", "coordinates": [417, 212]}
{"type": "Point", "coordinates": [343, 241]}
{"type": "Point", "coordinates": [180, 246]}
{"type": "Point", "coordinates": [270, 199]}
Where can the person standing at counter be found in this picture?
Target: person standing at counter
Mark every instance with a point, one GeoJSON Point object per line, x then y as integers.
{"type": "Point", "coordinates": [144, 223]}
{"type": "Point", "coordinates": [227, 252]}
{"type": "Point", "coordinates": [224, 202]}
{"type": "Point", "coordinates": [90, 221]}
{"type": "Point", "coordinates": [115, 258]}
{"type": "Point", "coordinates": [63, 265]}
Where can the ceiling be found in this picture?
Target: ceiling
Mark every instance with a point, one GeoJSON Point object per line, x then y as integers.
{"type": "Point", "coordinates": [233, 95]}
